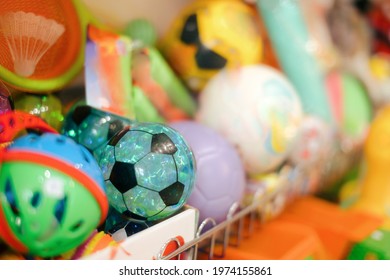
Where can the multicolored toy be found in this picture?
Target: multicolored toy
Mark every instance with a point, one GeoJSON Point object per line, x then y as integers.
{"type": "Point", "coordinates": [149, 171]}
{"type": "Point", "coordinates": [42, 44]}
{"type": "Point", "coordinates": [40, 211]}
{"type": "Point", "coordinates": [46, 106]}
{"type": "Point", "coordinates": [208, 36]}
{"type": "Point", "coordinates": [220, 174]}
{"type": "Point", "coordinates": [152, 74]}
{"type": "Point", "coordinates": [108, 72]}
{"type": "Point", "coordinates": [97, 241]}
{"type": "Point", "coordinates": [92, 127]}
{"type": "Point", "coordinates": [374, 247]}
{"type": "Point", "coordinates": [350, 104]}
{"type": "Point", "coordinates": [257, 109]}
{"type": "Point", "coordinates": [353, 38]}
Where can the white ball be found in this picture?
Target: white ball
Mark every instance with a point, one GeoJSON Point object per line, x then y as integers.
{"type": "Point", "coordinates": [257, 109]}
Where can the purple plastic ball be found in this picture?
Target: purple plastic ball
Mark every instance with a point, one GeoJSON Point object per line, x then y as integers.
{"type": "Point", "coordinates": [220, 176]}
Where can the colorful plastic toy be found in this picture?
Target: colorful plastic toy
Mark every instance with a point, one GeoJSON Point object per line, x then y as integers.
{"type": "Point", "coordinates": [257, 109]}
{"type": "Point", "coordinates": [46, 106]}
{"type": "Point", "coordinates": [208, 36]}
{"type": "Point", "coordinates": [108, 72]}
{"type": "Point", "coordinates": [149, 171]}
{"type": "Point", "coordinates": [92, 127]}
{"type": "Point", "coordinates": [56, 32]}
{"type": "Point", "coordinates": [374, 247]}
{"type": "Point", "coordinates": [220, 174]}
{"type": "Point", "coordinates": [16, 122]}
{"type": "Point", "coordinates": [152, 74]}
{"type": "Point", "coordinates": [97, 241]}
{"type": "Point", "coordinates": [40, 211]}
{"type": "Point", "coordinates": [374, 185]}
{"type": "Point", "coordinates": [300, 66]}
{"type": "Point", "coordinates": [350, 104]}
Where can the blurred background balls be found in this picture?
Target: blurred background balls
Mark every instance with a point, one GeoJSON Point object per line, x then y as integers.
{"type": "Point", "coordinates": [351, 105]}
{"type": "Point", "coordinates": [208, 36]}
{"type": "Point", "coordinates": [313, 143]}
{"type": "Point", "coordinates": [46, 106]}
{"type": "Point", "coordinates": [149, 171]}
{"type": "Point", "coordinates": [255, 108]}
{"type": "Point", "coordinates": [220, 177]}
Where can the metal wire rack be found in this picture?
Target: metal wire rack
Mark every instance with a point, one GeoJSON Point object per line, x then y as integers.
{"type": "Point", "coordinates": [241, 222]}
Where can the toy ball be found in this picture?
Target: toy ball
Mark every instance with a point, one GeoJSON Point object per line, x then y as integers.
{"type": "Point", "coordinates": [127, 228]}
{"type": "Point", "coordinates": [149, 171]}
{"type": "Point", "coordinates": [52, 195]}
{"type": "Point", "coordinates": [313, 143]}
{"type": "Point", "coordinates": [119, 227]}
{"type": "Point", "coordinates": [255, 108]}
{"type": "Point", "coordinates": [220, 174]}
{"type": "Point", "coordinates": [350, 103]}
{"type": "Point", "coordinates": [208, 36]}
{"type": "Point", "coordinates": [46, 106]}
{"type": "Point", "coordinates": [92, 127]}
{"type": "Point", "coordinates": [142, 30]}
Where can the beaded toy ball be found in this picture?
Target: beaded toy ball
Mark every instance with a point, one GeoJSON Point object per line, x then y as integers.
{"type": "Point", "coordinates": [149, 171]}
{"type": "Point", "coordinates": [52, 192]}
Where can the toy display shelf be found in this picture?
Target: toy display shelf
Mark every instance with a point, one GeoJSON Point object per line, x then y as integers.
{"type": "Point", "coordinates": [184, 237]}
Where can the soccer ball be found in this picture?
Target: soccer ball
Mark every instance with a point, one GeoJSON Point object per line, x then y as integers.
{"type": "Point", "coordinates": [209, 36]}
{"type": "Point", "coordinates": [257, 109]}
{"type": "Point", "coordinates": [91, 127]}
{"type": "Point", "coordinates": [149, 171]}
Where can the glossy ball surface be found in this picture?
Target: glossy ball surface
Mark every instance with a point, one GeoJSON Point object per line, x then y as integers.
{"type": "Point", "coordinates": [257, 109]}
{"type": "Point", "coordinates": [220, 179]}
{"type": "Point", "coordinates": [149, 171]}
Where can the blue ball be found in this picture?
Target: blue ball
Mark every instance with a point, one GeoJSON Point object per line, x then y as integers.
{"type": "Point", "coordinates": [91, 127]}
{"type": "Point", "coordinates": [62, 148]}
{"type": "Point", "coordinates": [149, 171]}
